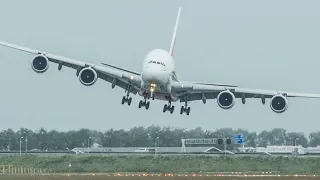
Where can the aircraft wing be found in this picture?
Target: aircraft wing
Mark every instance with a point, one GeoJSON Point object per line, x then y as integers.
{"type": "Point", "coordinates": [212, 84]}
{"type": "Point", "coordinates": [194, 91]}
{"type": "Point", "coordinates": [117, 76]}
{"type": "Point", "coordinates": [122, 69]}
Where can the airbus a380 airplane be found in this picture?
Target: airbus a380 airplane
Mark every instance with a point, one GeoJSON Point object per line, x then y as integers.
{"type": "Point", "coordinates": [158, 80]}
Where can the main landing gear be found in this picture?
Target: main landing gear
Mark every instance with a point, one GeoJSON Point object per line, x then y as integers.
{"type": "Point", "coordinates": [185, 109]}
{"type": "Point", "coordinates": [127, 99]}
{"type": "Point", "coordinates": [168, 107]}
{"type": "Point", "coordinates": [144, 102]}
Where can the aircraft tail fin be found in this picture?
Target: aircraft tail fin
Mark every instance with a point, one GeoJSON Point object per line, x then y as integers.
{"type": "Point", "coordinates": [173, 41]}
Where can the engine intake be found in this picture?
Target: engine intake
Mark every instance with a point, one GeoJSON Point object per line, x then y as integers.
{"type": "Point", "coordinates": [40, 64]}
{"type": "Point", "coordinates": [226, 99]}
{"type": "Point", "coordinates": [88, 76]}
{"type": "Point", "coordinates": [279, 103]}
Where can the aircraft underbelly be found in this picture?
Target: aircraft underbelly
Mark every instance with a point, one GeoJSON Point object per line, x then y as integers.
{"type": "Point", "coordinates": [158, 94]}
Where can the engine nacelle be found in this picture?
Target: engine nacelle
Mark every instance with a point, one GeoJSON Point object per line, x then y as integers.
{"type": "Point", "coordinates": [88, 76]}
{"type": "Point", "coordinates": [279, 103]}
{"type": "Point", "coordinates": [40, 63]}
{"type": "Point", "coordinates": [226, 99]}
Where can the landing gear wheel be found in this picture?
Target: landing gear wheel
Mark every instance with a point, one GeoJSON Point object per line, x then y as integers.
{"type": "Point", "coordinates": [144, 104]}
{"type": "Point", "coordinates": [172, 109]}
{"type": "Point", "coordinates": [123, 100]}
{"type": "Point", "coordinates": [147, 105]}
{"type": "Point", "coordinates": [181, 110]}
{"type": "Point", "coordinates": [126, 100]}
{"type": "Point", "coordinates": [140, 104]}
{"type": "Point", "coordinates": [188, 111]}
{"type": "Point", "coordinates": [165, 107]}
{"type": "Point", "coordinates": [129, 101]}
{"type": "Point", "coordinates": [168, 108]}
{"type": "Point", "coordinates": [185, 109]}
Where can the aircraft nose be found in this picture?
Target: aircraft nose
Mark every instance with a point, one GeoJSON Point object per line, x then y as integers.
{"type": "Point", "coordinates": [155, 76]}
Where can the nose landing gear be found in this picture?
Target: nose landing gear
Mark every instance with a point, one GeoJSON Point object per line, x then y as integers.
{"type": "Point", "coordinates": [145, 103]}
{"type": "Point", "coordinates": [168, 107]}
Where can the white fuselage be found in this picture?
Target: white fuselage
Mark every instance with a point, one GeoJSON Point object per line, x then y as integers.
{"type": "Point", "coordinates": [157, 71]}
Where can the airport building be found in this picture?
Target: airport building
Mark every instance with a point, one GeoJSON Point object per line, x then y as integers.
{"type": "Point", "coordinates": [201, 146]}
{"type": "Point", "coordinates": [266, 150]}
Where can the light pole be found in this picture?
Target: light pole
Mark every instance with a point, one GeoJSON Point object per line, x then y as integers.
{"type": "Point", "coordinates": [89, 143]}
{"type": "Point", "coordinates": [155, 145]}
{"type": "Point", "coordinates": [295, 141]}
{"type": "Point", "coordinates": [26, 144]}
{"type": "Point", "coordinates": [149, 137]}
{"type": "Point", "coordinates": [158, 139]}
{"type": "Point", "coordinates": [295, 144]}
{"type": "Point", "coordinates": [68, 156]}
{"type": "Point", "coordinates": [225, 147]}
{"type": "Point", "coordinates": [20, 145]}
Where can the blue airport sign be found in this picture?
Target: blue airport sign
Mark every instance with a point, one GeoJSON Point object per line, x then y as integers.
{"type": "Point", "coordinates": [240, 141]}
{"type": "Point", "coordinates": [238, 138]}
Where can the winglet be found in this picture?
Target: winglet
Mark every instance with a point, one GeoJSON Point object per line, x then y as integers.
{"type": "Point", "coordinates": [173, 41]}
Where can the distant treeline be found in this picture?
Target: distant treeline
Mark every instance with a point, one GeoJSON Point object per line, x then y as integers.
{"type": "Point", "coordinates": [144, 137]}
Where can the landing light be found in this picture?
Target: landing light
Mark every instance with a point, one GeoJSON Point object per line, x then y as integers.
{"type": "Point", "coordinates": [151, 89]}
{"type": "Point", "coordinates": [131, 77]}
{"type": "Point", "coordinates": [181, 85]}
{"type": "Point", "coordinates": [153, 85]}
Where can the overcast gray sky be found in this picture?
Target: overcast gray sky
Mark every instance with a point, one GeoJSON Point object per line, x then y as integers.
{"type": "Point", "coordinates": [271, 45]}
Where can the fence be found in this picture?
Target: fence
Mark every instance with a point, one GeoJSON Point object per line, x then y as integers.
{"type": "Point", "coordinates": [11, 169]}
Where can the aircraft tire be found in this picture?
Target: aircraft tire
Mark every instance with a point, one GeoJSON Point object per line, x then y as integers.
{"type": "Point", "coordinates": [172, 109]}
{"type": "Point", "coordinates": [129, 101]}
{"type": "Point", "coordinates": [188, 111]}
{"type": "Point", "coordinates": [123, 100]}
{"type": "Point", "coordinates": [140, 104]}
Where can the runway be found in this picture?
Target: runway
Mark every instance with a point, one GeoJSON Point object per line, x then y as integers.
{"type": "Point", "coordinates": [162, 154]}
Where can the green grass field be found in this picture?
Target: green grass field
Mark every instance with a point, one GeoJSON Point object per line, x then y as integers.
{"type": "Point", "coordinates": [84, 177]}
{"type": "Point", "coordinates": [165, 164]}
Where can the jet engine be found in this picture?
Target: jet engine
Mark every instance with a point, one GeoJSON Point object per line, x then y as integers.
{"type": "Point", "coordinates": [226, 99]}
{"type": "Point", "coordinates": [88, 76]}
{"type": "Point", "coordinates": [279, 103]}
{"type": "Point", "coordinates": [40, 63]}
